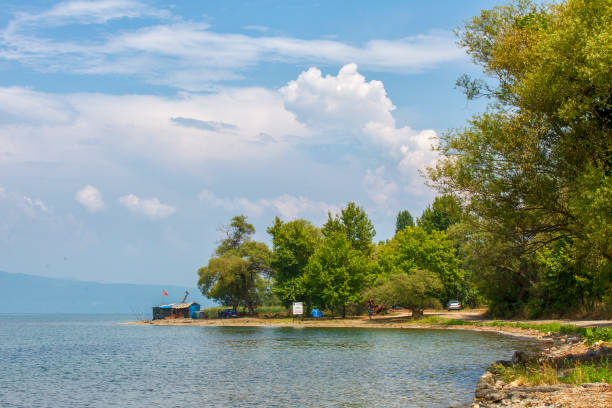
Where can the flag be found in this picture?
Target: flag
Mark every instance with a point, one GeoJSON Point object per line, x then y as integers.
{"type": "Point", "coordinates": [164, 292]}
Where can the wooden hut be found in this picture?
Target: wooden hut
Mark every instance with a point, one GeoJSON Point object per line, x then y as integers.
{"type": "Point", "coordinates": [181, 310]}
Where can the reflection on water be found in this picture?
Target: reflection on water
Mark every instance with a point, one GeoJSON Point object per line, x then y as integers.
{"type": "Point", "coordinates": [77, 361]}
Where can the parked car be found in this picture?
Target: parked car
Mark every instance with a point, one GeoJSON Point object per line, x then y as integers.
{"type": "Point", "coordinates": [453, 305]}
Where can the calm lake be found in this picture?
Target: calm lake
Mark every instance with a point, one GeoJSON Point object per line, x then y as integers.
{"type": "Point", "coordinates": [93, 361]}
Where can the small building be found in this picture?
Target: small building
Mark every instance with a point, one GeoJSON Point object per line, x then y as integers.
{"type": "Point", "coordinates": [161, 312]}
{"type": "Point", "coordinates": [184, 310]}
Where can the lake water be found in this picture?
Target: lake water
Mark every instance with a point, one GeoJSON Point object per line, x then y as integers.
{"type": "Point", "coordinates": [93, 361]}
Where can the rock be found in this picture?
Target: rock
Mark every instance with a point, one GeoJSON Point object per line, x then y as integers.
{"type": "Point", "coordinates": [572, 340]}
{"type": "Point", "coordinates": [514, 384]}
{"type": "Point", "coordinates": [521, 357]}
{"type": "Point", "coordinates": [494, 396]}
{"type": "Point", "coordinates": [594, 385]}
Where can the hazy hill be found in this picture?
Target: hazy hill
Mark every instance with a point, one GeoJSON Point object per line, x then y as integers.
{"type": "Point", "coordinates": [21, 293]}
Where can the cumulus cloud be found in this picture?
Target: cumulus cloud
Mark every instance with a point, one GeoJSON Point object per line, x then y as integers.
{"type": "Point", "coordinates": [90, 198]}
{"type": "Point", "coordinates": [414, 151]}
{"type": "Point", "coordinates": [190, 54]}
{"type": "Point", "coordinates": [380, 190]}
{"type": "Point", "coordinates": [286, 206]}
{"type": "Point", "coordinates": [151, 208]}
{"type": "Point", "coordinates": [343, 101]}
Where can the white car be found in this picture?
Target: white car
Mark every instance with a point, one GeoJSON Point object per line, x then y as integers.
{"type": "Point", "coordinates": [453, 305]}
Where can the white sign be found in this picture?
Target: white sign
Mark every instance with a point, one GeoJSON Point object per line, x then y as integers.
{"type": "Point", "coordinates": [298, 308]}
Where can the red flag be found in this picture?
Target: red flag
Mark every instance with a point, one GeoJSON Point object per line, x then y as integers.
{"type": "Point", "coordinates": [164, 292]}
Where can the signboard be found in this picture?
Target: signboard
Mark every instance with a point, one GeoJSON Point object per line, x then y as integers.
{"type": "Point", "coordinates": [298, 308]}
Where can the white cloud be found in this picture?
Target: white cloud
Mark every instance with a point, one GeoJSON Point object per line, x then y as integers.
{"type": "Point", "coordinates": [348, 104]}
{"type": "Point", "coordinates": [151, 208]}
{"type": "Point", "coordinates": [90, 198]}
{"type": "Point", "coordinates": [189, 54]}
{"type": "Point", "coordinates": [34, 205]}
{"type": "Point", "coordinates": [286, 206]}
{"type": "Point", "coordinates": [380, 190]}
{"type": "Point", "coordinates": [178, 131]}
{"type": "Point", "coordinates": [343, 101]}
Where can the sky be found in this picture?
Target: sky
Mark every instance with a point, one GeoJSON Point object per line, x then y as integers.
{"type": "Point", "coordinates": [131, 132]}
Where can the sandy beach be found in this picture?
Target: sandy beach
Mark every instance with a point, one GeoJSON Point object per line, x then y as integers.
{"type": "Point", "coordinates": [400, 319]}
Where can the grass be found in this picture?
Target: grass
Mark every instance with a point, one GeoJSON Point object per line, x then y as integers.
{"type": "Point", "coordinates": [261, 310]}
{"type": "Point", "coordinates": [591, 335]}
{"type": "Point", "coordinates": [536, 374]}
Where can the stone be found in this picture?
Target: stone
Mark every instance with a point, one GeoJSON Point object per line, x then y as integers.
{"type": "Point", "coordinates": [521, 357]}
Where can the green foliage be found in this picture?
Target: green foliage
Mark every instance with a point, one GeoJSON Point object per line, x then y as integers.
{"type": "Point", "coordinates": [596, 334]}
{"type": "Point", "coordinates": [403, 220]}
{"type": "Point", "coordinates": [415, 290]}
{"type": "Point", "coordinates": [293, 243]}
{"type": "Point", "coordinates": [336, 273]}
{"type": "Point", "coordinates": [235, 275]}
{"type": "Point", "coordinates": [236, 234]}
{"type": "Point", "coordinates": [444, 212]}
{"type": "Point", "coordinates": [414, 248]}
{"type": "Point", "coordinates": [539, 374]}
{"type": "Point", "coordinates": [352, 221]}
{"type": "Point", "coordinates": [533, 171]}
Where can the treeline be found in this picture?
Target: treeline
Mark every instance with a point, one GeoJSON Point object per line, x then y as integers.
{"type": "Point", "coordinates": [338, 264]}
{"type": "Point", "coordinates": [524, 217]}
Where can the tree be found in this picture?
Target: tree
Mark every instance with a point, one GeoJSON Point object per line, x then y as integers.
{"type": "Point", "coordinates": [336, 273]}
{"type": "Point", "coordinates": [415, 290]}
{"type": "Point", "coordinates": [534, 169]}
{"type": "Point", "coordinates": [444, 212]}
{"type": "Point", "coordinates": [414, 248]}
{"type": "Point", "coordinates": [293, 243]}
{"type": "Point", "coordinates": [236, 234]}
{"type": "Point", "coordinates": [352, 221]}
{"type": "Point", "coordinates": [403, 220]}
{"type": "Point", "coordinates": [234, 275]}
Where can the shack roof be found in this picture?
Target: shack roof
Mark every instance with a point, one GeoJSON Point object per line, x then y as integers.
{"type": "Point", "coordinates": [185, 305]}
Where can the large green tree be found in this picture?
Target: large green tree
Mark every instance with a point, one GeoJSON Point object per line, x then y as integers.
{"type": "Point", "coordinates": [415, 290]}
{"type": "Point", "coordinates": [293, 243]}
{"type": "Point", "coordinates": [234, 275]}
{"type": "Point", "coordinates": [415, 248]}
{"type": "Point", "coordinates": [354, 223]}
{"type": "Point", "coordinates": [336, 273]}
{"type": "Point", "coordinates": [533, 172]}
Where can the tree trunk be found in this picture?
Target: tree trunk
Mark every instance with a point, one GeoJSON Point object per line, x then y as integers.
{"type": "Point", "coordinates": [344, 311]}
{"type": "Point", "coordinates": [417, 313]}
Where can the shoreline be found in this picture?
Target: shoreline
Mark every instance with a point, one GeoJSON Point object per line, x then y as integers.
{"type": "Point", "coordinates": [530, 334]}
{"type": "Point", "coordinates": [398, 320]}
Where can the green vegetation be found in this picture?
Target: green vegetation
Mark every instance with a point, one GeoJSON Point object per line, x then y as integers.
{"type": "Point", "coordinates": [523, 222]}
{"type": "Point", "coordinates": [590, 334]}
{"type": "Point", "coordinates": [532, 173]}
{"type": "Point", "coordinates": [261, 310]}
{"type": "Point", "coordinates": [416, 290]}
{"type": "Point", "coordinates": [403, 220]}
{"type": "Point", "coordinates": [539, 374]}
{"type": "Point", "coordinates": [235, 275]}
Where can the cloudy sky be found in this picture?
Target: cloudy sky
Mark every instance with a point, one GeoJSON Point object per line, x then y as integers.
{"type": "Point", "coordinates": [131, 131]}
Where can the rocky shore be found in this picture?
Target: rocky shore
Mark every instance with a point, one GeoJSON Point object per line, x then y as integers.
{"type": "Point", "coordinates": [492, 391]}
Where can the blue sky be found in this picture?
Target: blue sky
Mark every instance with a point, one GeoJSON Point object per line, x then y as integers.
{"type": "Point", "coordinates": [131, 131]}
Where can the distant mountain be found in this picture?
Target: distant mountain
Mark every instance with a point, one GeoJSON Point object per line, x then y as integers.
{"type": "Point", "coordinates": [21, 293]}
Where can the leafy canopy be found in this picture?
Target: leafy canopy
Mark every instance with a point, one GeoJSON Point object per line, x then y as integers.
{"type": "Point", "coordinates": [403, 220]}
